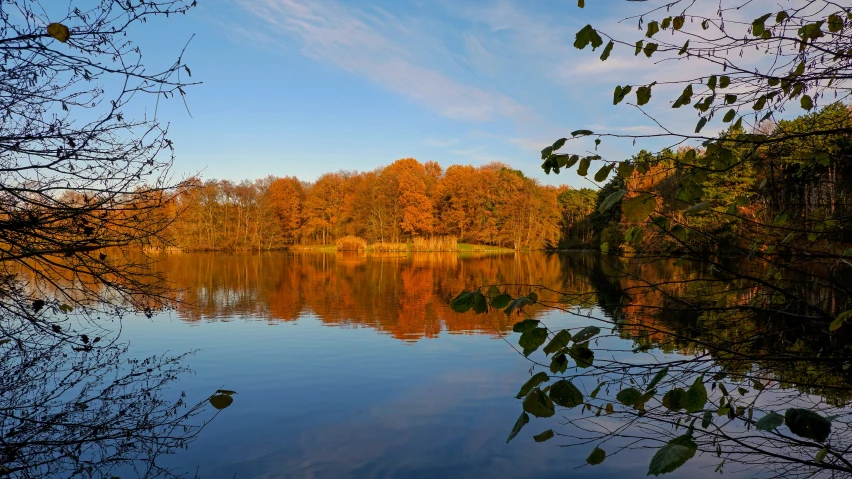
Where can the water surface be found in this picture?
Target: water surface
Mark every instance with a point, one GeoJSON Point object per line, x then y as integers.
{"type": "Point", "coordinates": [355, 366]}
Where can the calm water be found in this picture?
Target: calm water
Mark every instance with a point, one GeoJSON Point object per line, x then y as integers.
{"type": "Point", "coordinates": [355, 366]}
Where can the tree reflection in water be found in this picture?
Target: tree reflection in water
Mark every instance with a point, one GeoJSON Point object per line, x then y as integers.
{"type": "Point", "coordinates": [676, 359]}
{"type": "Point", "coordinates": [69, 411]}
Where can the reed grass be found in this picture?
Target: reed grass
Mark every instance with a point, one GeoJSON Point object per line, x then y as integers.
{"type": "Point", "coordinates": [351, 243]}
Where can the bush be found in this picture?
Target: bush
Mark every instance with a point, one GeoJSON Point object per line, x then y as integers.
{"type": "Point", "coordinates": [351, 243]}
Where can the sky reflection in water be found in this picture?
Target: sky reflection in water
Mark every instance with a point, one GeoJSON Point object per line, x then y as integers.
{"type": "Point", "coordinates": [356, 367]}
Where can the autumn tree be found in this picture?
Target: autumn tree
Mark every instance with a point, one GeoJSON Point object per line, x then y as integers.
{"type": "Point", "coordinates": [286, 196]}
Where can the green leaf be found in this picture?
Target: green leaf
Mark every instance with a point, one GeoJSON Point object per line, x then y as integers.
{"type": "Point", "coordinates": [638, 208]}
{"type": "Point", "coordinates": [649, 49]}
{"type": "Point", "coordinates": [666, 23]}
{"type": "Point", "coordinates": [501, 301]}
{"type": "Point", "coordinates": [638, 47]}
{"type": "Point", "coordinates": [840, 320]}
{"type": "Point", "coordinates": [585, 36]}
{"type": "Point", "coordinates": [225, 391]}
{"type": "Point", "coordinates": [625, 170]}
{"type": "Point", "coordinates": [603, 173]}
{"type": "Point", "coordinates": [835, 23]}
{"type": "Point", "coordinates": [519, 424]}
{"type": "Point", "coordinates": [811, 31]}
{"type": "Point", "coordinates": [582, 133]}
{"type": "Point", "coordinates": [594, 393]}
{"type": "Point", "coordinates": [558, 364]}
{"type": "Point", "coordinates": [700, 125]}
{"type": "Point", "coordinates": [462, 302]}
{"type": "Point", "coordinates": [582, 355]}
{"type": "Point", "coordinates": [661, 374]}
{"type": "Point", "coordinates": [730, 99]}
{"type": "Point", "coordinates": [674, 399]}
{"type": "Point", "coordinates": [611, 200]}
{"type": "Point", "coordinates": [620, 93]}
{"type": "Point", "coordinates": [769, 422]}
{"type": "Point", "coordinates": [596, 457]}
{"type": "Point", "coordinates": [821, 454]}
{"type": "Point", "coordinates": [684, 98]}
{"type": "Point", "coordinates": [738, 125]}
{"type": "Point", "coordinates": [653, 28]}
{"type": "Point", "coordinates": [525, 326]}
{"type": "Point", "coordinates": [479, 303]}
{"type": "Point", "coordinates": [586, 333]}
{"type": "Point", "coordinates": [545, 153]}
{"type": "Point", "coordinates": [729, 116]}
{"type": "Point", "coordinates": [643, 95]}
{"type": "Point", "coordinates": [559, 341]}
{"type": "Point", "coordinates": [581, 3]}
{"type": "Point", "coordinates": [696, 396]}
{"type": "Point", "coordinates": [546, 434]}
{"type": "Point", "coordinates": [532, 340]}
{"type": "Point", "coordinates": [684, 48]}
{"type": "Point", "coordinates": [558, 144]}
{"type": "Point", "coordinates": [672, 455]}
{"type": "Point", "coordinates": [583, 168]}
{"type": "Point", "coordinates": [628, 396]}
{"type": "Point", "coordinates": [532, 383]}
{"type": "Point", "coordinates": [565, 394]}
{"type": "Point", "coordinates": [781, 16]}
{"type": "Point", "coordinates": [538, 404]}
{"type": "Point", "coordinates": [607, 50]}
{"type": "Point", "coordinates": [677, 22]}
{"type": "Point", "coordinates": [707, 420]}
{"type": "Point", "coordinates": [807, 424]}
{"type": "Point", "coordinates": [807, 102]}
{"type": "Point", "coordinates": [571, 161]}
{"type": "Point", "coordinates": [724, 81]}
{"type": "Point", "coordinates": [711, 82]}
{"type": "Point", "coordinates": [757, 26]}
{"type": "Point", "coordinates": [221, 401]}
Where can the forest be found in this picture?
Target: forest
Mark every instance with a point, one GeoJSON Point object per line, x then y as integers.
{"type": "Point", "coordinates": [492, 204]}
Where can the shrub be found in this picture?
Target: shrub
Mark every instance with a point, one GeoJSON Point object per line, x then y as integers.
{"type": "Point", "coordinates": [351, 243]}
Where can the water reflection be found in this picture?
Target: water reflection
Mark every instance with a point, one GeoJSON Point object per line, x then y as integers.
{"type": "Point", "coordinates": [400, 404]}
{"type": "Point", "coordinates": [406, 296]}
{"type": "Point", "coordinates": [90, 412]}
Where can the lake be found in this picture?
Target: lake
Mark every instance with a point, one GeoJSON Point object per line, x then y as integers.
{"type": "Point", "coordinates": [355, 366]}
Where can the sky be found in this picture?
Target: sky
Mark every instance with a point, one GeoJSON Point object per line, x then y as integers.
{"type": "Point", "coordinates": [305, 87]}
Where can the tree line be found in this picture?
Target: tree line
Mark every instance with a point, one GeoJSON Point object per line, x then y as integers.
{"type": "Point", "coordinates": [491, 204]}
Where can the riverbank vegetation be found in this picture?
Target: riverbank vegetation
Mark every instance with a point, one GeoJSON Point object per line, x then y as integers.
{"type": "Point", "coordinates": [409, 203]}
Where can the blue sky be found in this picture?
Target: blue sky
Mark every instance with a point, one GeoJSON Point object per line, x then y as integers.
{"type": "Point", "coordinates": [304, 87]}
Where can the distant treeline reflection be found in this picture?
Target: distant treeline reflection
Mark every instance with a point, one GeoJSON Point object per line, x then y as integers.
{"type": "Point", "coordinates": [404, 295]}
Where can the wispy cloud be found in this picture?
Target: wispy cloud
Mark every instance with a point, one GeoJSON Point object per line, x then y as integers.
{"type": "Point", "coordinates": [370, 44]}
